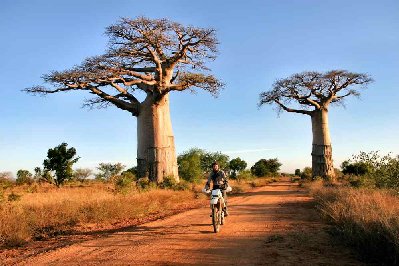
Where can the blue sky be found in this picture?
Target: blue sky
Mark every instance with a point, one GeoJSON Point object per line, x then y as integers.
{"type": "Point", "coordinates": [260, 41]}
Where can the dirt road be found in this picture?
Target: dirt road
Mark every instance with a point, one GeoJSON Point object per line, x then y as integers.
{"type": "Point", "coordinates": [272, 225]}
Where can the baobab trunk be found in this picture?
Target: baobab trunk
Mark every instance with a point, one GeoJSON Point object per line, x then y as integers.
{"type": "Point", "coordinates": [156, 155]}
{"type": "Point", "coordinates": [322, 163]}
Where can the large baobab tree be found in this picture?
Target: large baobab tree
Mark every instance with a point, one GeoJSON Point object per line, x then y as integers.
{"type": "Point", "coordinates": [311, 93]}
{"type": "Point", "coordinates": [154, 56]}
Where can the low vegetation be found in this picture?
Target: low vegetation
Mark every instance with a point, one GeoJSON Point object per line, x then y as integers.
{"type": "Point", "coordinates": [41, 210]}
{"type": "Point", "coordinates": [366, 219]}
{"type": "Point", "coordinates": [362, 204]}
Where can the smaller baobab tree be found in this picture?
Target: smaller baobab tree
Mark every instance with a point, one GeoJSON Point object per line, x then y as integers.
{"type": "Point", "coordinates": [311, 93]}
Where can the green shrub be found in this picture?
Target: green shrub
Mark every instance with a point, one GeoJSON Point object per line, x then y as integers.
{"type": "Point", "coordinates": [183, 185]}
{"type": "Point", "coordinates": [244, 176]}
{"type": "Point", "coordinates": [24, 177]}
{"type": "Point", "coordinates": [372, 169]}
{"type": "Point", "coordinates": [298, 172]}
{"type": "Point", "coordinates": [145, 184]}
{"type": "Point", "coordinates": [169, 182]}
{"type": "Point", "coordinates": [14, 197]}
{"type": "Point", "coordinates": [124, 182]}
{"type": "Point", "coordinates": [6, 183]}
{"type": "Point", "coordinates": [306, 173]}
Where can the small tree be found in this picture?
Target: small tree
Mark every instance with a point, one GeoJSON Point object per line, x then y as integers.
{"type": "Point", "coordinates": [107, 171]}
{"type": "Point", "coordinates": [297, 172]}
{"type": "Point", "coordinates": [6, 175]}
{"type": "Point", "coordinates": [24, 177]}
{"type": "Point", "coordinates": [190, 164]}
{"type": "Point", "coordinates": [60, 160]}
{"type": "Point", "coordinates": [306, 173]}
{"type": "Point", "coordinates": [209, 157]}
{"type": "Point", "coordinates": [311, 93]}
{"type": "Point", "coordinates": [237, 165]}
{"type": "Point", "coordinates": [80, 174]}
{"type": "Point", "coordinates": [357, 168]}
{"type": "Point", "coordinates": [265, 167]}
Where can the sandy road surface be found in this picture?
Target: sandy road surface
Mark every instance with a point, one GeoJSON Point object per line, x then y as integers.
{"type": "Point", "coordinates": [272, 225]}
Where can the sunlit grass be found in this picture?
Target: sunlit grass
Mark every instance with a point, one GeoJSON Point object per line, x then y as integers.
{"type": "Point", "coordinates": [367, 219]}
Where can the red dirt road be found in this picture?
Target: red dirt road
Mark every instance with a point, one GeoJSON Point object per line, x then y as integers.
{"type": "Point", "coordinates": [275, 224]}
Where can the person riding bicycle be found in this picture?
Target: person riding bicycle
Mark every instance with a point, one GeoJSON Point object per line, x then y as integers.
{"type": "Point", "coordinates": [219, 181]}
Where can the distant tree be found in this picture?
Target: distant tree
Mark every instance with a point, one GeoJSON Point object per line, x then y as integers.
{"type": "Point", "coordinates": [6, 175]}
{"type": "Point", "coordinates": [237, 165]}
{"type": "Point", "coordinates": [107, 171]}
{"type": "Point", "coordinates": [297, 172]}
{"type": "Point", "coordinates": [38, 173]}
{"type": "Point", "coordinates": [24, 177]}
{"type": "Point", "coordinates": [190, 164]}
{"type": "Point", "coordinates": [311, 93]}
{"type": "Point", "coordinates": [132, 170]}
{"type": "Point", "coordinates": [265, 167]}
{"type": "Point", "coordinates": [306, 173]}
{"type": "Point", "coordinates": [60, 160]}
{"type": "Point", "coordinates": [81, 174]}
{"type": "Point", "coordinates": [356, 168]}
{"type": "Point", "coordinates": [209, 157]}
{"type": "Point", "coordinates": [156, 57]}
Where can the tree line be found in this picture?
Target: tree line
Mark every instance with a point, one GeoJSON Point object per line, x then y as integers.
{"type": "Point", "coordinates": [193, 165]}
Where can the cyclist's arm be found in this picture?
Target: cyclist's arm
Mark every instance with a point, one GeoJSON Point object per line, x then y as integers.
{"type": "Point", "coordinates": [208, 182]}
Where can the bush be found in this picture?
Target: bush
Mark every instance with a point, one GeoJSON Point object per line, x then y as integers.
{"type": "Point", "coordinates": [107, 171]}
{"type": "Point", "coordinates": [366, 219]}
{"type": "Point", "coordinates": [244, 176]}
{"type": "Point", "coordinates": [5, 183]}
{"type": "Point", "coordinates": [306, 173]}
{"type": "Point", "coordinates": [124, 182]}
{"type": "Point", "coordinates": [374, 170]}
{"type": "Point", "coordinates": [359, 168]}
{"type": "Point", "coordinates": [24, 177]}
{"type": "Point", "coordinates": [145, 184]}
{"type": "Point", "coordinates": [169, 182]}
{"type": "Point", "coordinates": [14, 197]}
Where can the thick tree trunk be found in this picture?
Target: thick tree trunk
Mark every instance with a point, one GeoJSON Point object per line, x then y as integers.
{"type": "Point", "coordinates": [156, 155]}
{"type": "Point", "coordinates": [322, 163]}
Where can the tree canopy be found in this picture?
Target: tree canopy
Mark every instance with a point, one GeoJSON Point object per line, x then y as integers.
{"type": "Point", "coordinates": [308, 91]}
{"type": "Point", "coordinates": [60, 159]}
{"type": "Point", "coordinates": [265, 167]}
{"type": "Point", "coordinates": [155, 56]}
{"type": "Point", "coordinates": [237, 165]}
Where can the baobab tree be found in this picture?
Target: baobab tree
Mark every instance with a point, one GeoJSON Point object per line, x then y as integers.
{"type": "Point", "coordinates": [154, 56]}
{"type": "Point", "coordinates": [311, 93]}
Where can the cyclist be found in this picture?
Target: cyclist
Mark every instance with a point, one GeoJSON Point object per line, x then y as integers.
{"type": "Point", "coordinates": [219, 181]}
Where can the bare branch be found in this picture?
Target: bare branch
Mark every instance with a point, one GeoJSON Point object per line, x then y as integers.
{"type": "Point", "coordinates": [206, 82]}
{"type": "Point", "coordinates": [152, 55]}
{"type": "Point", "coordinates": [314, 90]}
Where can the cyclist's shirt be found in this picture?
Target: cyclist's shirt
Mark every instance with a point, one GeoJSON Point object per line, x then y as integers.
{"type": "Point", "coordinates": [218, 179]}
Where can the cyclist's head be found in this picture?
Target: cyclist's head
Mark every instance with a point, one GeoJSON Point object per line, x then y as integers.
{"type": "Point", "coordinates": [215, 166]}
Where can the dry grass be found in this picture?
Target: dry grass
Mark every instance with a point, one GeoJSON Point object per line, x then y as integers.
{"type": "Point", "coordinates": [50, 211]}
{"type": "Point", "coordinates": [40, 211]}
{"type": "Point", "coordinates": [366, 219]}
